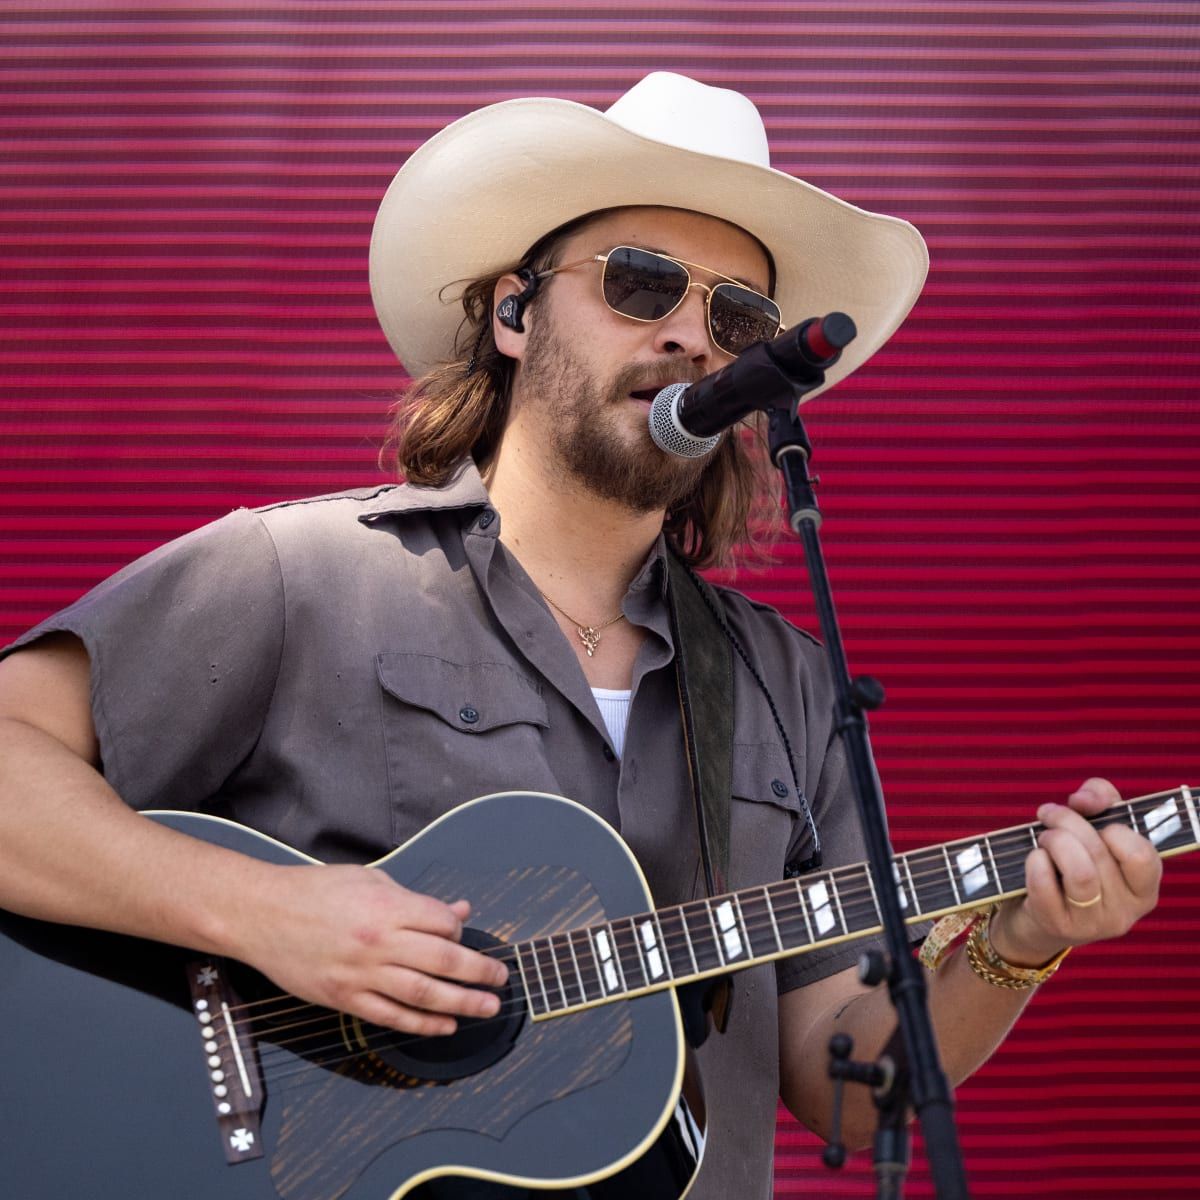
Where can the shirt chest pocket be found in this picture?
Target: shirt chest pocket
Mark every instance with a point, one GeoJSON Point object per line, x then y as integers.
{"type": "Point", "coordinates": [457, 730]}
{"type": "Point", "coordinates": [766, 816]}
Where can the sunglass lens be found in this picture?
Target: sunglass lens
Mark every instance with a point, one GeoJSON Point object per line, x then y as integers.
{"type": "Point", "coordinates": [642, 285]}
{"type": "Point", "coordinates": [739, 318]}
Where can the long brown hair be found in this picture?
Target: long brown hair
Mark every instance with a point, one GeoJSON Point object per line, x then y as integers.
{"type": "Point", "coordinates": [461, 407]}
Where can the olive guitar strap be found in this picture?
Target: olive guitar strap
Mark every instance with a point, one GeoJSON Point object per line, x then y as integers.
{"type": "Point", "coordinates": [704, 678]}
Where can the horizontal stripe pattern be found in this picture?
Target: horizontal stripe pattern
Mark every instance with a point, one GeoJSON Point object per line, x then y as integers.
{"type": "Point", "coordinates": [1010, 489]}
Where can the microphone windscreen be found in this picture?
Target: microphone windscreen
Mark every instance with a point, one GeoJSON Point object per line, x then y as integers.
{"type": "Point", "coordinates": [666, 430]}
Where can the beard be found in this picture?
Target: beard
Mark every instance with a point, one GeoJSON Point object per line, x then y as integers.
{"type": "Point", "coordinates": [588, 428]}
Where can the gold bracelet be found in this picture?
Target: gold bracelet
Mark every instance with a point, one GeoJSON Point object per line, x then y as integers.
{"type": "Point", "coordinates": [988, 965]}
{"type": "Point", "coordinates": [945, 933]}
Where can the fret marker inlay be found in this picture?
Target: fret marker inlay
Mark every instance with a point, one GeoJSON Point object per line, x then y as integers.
{"type": "Point", "coordinates": [653, 957]}
{"type": "Point", "coordinates": [1164, 821]}
{"type": "Point", "coordinates": [728, 923]}
{"type": "Point", "coordinates": [818, 898]}
{"type": "Point", "coordinates": [605, 955]}
{"type": "Point", "coordinates": [900, 892]}
{"type": "Point", "coordinates": [971, 869]}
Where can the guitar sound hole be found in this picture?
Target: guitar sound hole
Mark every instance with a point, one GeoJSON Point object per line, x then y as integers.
{"type": "Point", "coordinates": [478, 1042]}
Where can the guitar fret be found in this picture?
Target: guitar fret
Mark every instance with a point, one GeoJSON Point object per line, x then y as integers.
{"type": "Point", "coordinates": [606, 965]}
{"type": "Point", "coordinates": [656, 962]}
{"type": "Point", "coordinates": [933, 885]}
{"type": "Point", "coordinates": [677, 940]}
{"type": "Point", "coordinates": [987, 845]}
{"type": "Point", "coordinates": [804, 912]}
{"type": "Point", "coordinates": [837, 899]}
{"type": "Point", "coordinates": [715, 932]}
{"type": "Point", "coordinates": [1163, 823]}
{"type": "Point", "coordinates": [1190, 805]}
{"type": "Point", "coordinates": [950, 873]}
{"type": "Point", "coordinates": [575, 963]}
{"type": "Point", "coordinates": [538, 968]}
{"type": "Point", "coordinates": [637, 960]}
{"type": "Point", "coordinates": [529, 995]}
{"type": "Point", "coordinates": [662, 941]}
{"type": "Point", "coordinates": [637, 945]}
{"type": "Point", "coordinates": [874, 895]}
{"type": "Point", "coordinates": [620, 958]}
{"type": "Point", "coordinates": [771, 913]}
{"type": "Point", "coordinates": [912, 887]}
{"type": "Point", "coordinates": [1010, 871]}
{"type": "Point", "coordinates": [557, 973]}
{"type": "Point", "coordinates": [971, 871]}
{"type": "Point", "coordinates": [741, 919]}
{"type": "Point", "coordinates": [700, 930]}
{"type": "Point", "coordinates": [817, 895]}
{"type": "Point", "coordinates": [757, 923]}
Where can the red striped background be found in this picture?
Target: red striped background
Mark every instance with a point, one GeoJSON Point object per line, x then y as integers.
{"type": "Point", "coordinates": [1010, 488]}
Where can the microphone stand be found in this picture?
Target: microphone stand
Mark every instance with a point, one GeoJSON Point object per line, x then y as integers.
{"type": "Point", "coordinates": [909, 1074]}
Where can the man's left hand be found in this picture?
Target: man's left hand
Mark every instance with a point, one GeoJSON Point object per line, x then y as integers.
{"type": "Point", "coordinates": [1084, 884]}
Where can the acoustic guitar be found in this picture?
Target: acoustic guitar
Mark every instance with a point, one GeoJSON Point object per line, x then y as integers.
{"type": "Point", "coordinates": [137, 1070]}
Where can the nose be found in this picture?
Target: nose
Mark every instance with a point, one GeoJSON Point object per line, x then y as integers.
{"type": "Point", "coordinates": [685, 331]}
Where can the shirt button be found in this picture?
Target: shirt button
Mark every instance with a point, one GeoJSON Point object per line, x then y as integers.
{"type": "Point", "coordinates": [487, 518]}
{"type": "Point", "coordinates": [468, 714]}
{"type": "Point", "coordinates": [608, 754]}
{"type": "Point", "coordinates": [779, 788]}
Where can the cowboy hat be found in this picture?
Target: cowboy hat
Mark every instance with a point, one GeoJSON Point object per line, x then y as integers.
{"type": "Point", "coordinates": [473, 199]}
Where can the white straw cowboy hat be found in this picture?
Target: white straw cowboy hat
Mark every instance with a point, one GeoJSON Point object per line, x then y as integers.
{"type": "Point", "coordinates": [473, 199]}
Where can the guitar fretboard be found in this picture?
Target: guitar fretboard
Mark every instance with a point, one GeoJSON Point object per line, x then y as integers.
{"type": "Point", "coordinates": [629, 956]}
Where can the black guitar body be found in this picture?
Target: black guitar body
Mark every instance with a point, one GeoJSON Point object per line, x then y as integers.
{"type": "Point", "coordinates": [107, 1086]}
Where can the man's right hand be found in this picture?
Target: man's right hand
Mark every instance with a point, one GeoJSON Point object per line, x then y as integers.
{"type": "Point", "coordinates": [353, 939]}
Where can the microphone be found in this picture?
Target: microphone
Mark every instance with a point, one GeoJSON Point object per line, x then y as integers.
{"type": "Point", "coordinates": [687, 420]}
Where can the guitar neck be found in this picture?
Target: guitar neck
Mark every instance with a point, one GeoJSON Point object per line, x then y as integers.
{"type": "Point", "coordinates": [629, 956]}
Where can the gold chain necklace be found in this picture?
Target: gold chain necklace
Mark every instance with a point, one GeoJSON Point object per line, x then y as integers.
{"type": "Point", "coordinates": [589, 635]}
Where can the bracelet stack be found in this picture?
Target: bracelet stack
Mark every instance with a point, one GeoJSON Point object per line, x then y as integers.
{"type": "Point", "coordinates": [987, 964]}
{"type": "Point", "coordinates": [981, 954]}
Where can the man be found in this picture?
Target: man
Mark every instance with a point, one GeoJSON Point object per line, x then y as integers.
{"type": "Point", "coordinates": [341, 671]}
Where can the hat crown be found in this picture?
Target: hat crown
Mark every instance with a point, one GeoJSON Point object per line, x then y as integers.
{"type": "Point", "coordinates": [683, 112]}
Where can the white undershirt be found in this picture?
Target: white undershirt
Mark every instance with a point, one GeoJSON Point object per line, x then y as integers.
{"type": "Point", "coordinates": [614, 708]}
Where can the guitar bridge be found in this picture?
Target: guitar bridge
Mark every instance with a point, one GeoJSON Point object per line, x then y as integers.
{"type": "Point", "coordinates": [230, 1060]}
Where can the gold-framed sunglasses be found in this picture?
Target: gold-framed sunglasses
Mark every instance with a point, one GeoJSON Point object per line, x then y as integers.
{"type": "Point", "coordinates": [649, 287]}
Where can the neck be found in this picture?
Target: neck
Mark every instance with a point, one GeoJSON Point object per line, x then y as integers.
{"type": "Point", "coordinates": [578, 548]}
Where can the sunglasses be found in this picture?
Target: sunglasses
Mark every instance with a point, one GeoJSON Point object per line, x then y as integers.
{"type": "Point", "coordinates": [645, 286]}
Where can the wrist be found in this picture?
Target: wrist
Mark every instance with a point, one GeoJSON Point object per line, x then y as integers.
{"type": "Point", "coordinates": [1019, 947]}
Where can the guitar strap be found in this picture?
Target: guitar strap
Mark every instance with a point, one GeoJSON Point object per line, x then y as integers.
{"type": "Point", "coordinates": [704, 680]}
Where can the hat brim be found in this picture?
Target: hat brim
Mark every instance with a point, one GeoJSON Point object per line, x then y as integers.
{"type": "Point", "coordinates": [476, 196]}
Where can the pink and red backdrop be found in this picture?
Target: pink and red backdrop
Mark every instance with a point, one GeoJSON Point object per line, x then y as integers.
{"type": "Point", "coordinates": [1010, 488]}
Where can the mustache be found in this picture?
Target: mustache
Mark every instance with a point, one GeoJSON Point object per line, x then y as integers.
{"type": "Point", "coordinates": [639, 377]}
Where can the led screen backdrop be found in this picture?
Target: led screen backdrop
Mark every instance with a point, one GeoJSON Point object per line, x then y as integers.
{"type": "Point", "coordinates": [1010, 488]}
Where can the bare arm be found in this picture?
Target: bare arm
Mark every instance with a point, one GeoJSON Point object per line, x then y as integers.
{"type": "Point", "coordinates": [970, 1016]}
{"type": "Point", "coordinates": [71, 850]}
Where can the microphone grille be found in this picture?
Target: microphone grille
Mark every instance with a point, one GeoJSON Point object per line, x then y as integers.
{"type": "Point", "coordinates": [666, 431]}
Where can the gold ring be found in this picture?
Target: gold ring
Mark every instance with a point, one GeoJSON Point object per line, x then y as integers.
{"type": "Point", "coordinates": [1086, 903]}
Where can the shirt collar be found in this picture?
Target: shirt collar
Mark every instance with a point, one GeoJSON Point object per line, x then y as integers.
{"type": "Point", "coordinates": [464, 489]}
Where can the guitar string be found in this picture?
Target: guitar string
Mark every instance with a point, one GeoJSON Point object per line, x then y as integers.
{"type": "Point", "coordinates": [379, 1038]}
{"type": "Point", "coordinates": [382, 1039]}
{"type": "Point", "coordinates": [321, 1021]}
{"type": "Point", "coordinates": [589, 979]}
{"type": "Point", "coordinates": [849, 898]}
{"type": "Point", "coordinates": [787, 905]}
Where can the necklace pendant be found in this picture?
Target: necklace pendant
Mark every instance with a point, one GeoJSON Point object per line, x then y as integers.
{"type": "Point", "coordinates": [590, 637]}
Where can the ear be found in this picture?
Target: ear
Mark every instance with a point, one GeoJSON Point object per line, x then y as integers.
{"type": "Point", "coordinates": [511, 312]}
